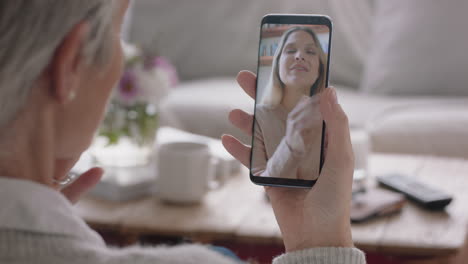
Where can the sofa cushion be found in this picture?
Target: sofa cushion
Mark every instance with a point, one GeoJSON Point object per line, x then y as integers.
{"type": "Point", "coordinates": [418, 47]}
{"type": "Point", "coordinates": [427, 128]}
{"type": "Point", "coordinates": [202, 107]}
{"type": "Point", "coordinates": [212, 38]}
{"type": "Point", "coordinates": [421, 124]}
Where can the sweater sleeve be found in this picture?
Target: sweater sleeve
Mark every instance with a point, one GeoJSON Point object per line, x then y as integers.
{"type": "Point", "coordinates": [283, 163]}
{"type": "Point", "coordinates": [323, 256]}
{"type": "Point", "coordinates": [31, 247]}
{"type": "Point", "coordinates": [166, 254]}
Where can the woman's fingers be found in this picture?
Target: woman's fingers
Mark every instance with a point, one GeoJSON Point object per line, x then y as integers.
{"type": "Point", "coordinates": [244, 121]}
{"type": "Point", "coordinates": [247, 80]}
{"type": "Point", "coordinates": [310, 114]}
{"type": "Point", "coordinates": [241, 120]}
{"type": "Point", "coordinates": [307, 119]}
{"type": "Point", "coordinates": [63, 166]}
{"type": "Point", "coordinates": [298, 108]}
{"type": "Point", "coordinates": [84, 183]}
{"type": "Point", "coordinates": [237, 149]}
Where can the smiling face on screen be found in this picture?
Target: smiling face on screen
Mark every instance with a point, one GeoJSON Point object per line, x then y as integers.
{"type": "Point", "coordinates": [299, 61]}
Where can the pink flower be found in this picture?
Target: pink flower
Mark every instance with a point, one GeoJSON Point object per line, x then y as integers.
{"type": "Point", "coordinates": [161, 63]}
{"type": "Point", "coordinates": [128, 88]}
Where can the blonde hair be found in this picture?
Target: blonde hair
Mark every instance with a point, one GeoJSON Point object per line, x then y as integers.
{"type": "Point", "coordinates": [275, 88]}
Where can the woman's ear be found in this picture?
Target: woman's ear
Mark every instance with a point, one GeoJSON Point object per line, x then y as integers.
{"type": "Point", "coordinates": [66, 67]}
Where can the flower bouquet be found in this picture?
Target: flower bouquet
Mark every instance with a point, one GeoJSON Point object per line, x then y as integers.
{"type": "Point", "coordinates": [128, 131]}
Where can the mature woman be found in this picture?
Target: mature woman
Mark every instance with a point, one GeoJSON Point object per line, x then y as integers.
{"type": "Point", "coordinates": [288, 124]}
{"type": "Point", "coordinates": [59, 60]}
{"type": "Point", "coordinates": [58, 63]}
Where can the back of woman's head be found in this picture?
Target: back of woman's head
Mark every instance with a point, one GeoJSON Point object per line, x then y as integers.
{"type": "Point", "coordinates": [31, 31]}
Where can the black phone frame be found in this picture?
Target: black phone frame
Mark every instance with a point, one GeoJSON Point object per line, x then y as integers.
{"type": "Point", "coordinates": [299, 19]}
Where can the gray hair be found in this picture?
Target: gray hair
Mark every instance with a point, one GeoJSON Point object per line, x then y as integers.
{"type": "Point", "coordinates": [31, 31]}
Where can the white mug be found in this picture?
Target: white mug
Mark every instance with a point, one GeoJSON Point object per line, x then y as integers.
{"type": "Point", "coordinates": [186, 172]}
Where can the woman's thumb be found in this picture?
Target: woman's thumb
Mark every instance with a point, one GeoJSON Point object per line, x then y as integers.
{"type": "Point", "coordinates": [339, 155]}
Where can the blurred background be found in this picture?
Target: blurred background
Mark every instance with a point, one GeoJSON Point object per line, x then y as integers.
{"type": "Point", "coordinates": [392, 62]}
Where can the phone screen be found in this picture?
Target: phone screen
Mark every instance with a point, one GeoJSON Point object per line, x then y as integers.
{"type": "Point", "coordinates": [293, 62]}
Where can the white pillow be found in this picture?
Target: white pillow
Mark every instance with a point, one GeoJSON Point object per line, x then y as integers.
{"type": "Point", "coordinates": [419, 47]}
{"type": "Point", "coordinates": [430, 128]}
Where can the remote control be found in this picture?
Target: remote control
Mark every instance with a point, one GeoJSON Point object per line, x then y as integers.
{"type": "Point", "coordinates": [424, 195]}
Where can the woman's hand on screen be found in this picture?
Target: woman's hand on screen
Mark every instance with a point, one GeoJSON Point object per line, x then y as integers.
{"type": "Point", "coordinates": [304, 125]}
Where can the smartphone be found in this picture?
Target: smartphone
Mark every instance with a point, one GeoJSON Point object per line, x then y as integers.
{"type": "Point", "coordinates": [374, 203]}
{"type": "Point", "coordinates": [293, 66]}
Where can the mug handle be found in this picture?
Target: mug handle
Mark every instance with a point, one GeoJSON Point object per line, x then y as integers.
{"type": "Point", "coordinates": [215, 180]}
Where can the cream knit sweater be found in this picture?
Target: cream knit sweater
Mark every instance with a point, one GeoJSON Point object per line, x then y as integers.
{"type": "Point", "coordinates": [39, 225]}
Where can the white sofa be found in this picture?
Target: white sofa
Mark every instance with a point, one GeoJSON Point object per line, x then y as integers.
{"type": "Point", "coordinates": [376, 53]}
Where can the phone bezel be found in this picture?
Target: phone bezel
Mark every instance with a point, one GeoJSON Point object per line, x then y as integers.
{"type": "Point", "coordinates": [304, 20]}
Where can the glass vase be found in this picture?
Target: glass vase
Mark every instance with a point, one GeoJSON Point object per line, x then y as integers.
{"type": "Point", "coordinates": [126, 136]}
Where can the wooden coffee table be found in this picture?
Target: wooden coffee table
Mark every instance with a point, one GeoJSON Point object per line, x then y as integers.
{"type": "Point", "coordinates": [239, 212]}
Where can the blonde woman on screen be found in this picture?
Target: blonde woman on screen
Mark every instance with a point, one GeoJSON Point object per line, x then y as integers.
{"type": "Point", "coordinates": [288, 124]}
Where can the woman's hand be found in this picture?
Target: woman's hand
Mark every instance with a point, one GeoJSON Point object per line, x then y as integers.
{"type": "Point", "coordinates": [85, 181]}
{"type": "Point", "coordinates": [304, 125]}
{"type": "Point", "coordinates": [316, 217]}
